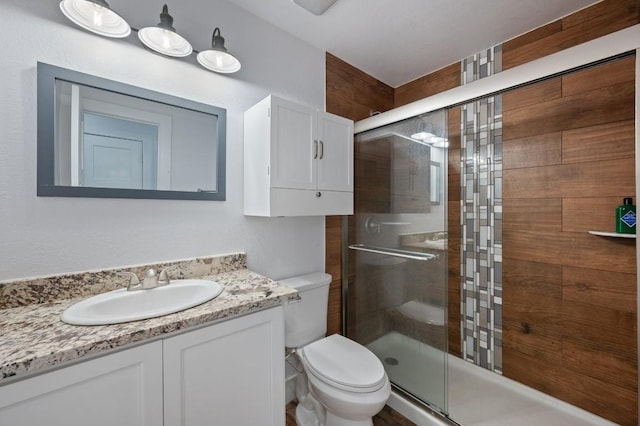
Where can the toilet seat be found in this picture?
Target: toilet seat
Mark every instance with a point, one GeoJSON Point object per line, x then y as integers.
{"type": "Point", "coordinates": [344, 364]}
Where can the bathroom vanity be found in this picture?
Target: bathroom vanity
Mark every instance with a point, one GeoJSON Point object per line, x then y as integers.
{"type": "Point", "coordinates": [217, 363]}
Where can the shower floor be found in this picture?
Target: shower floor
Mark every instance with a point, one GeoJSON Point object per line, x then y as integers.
{"type": "Point", "coordinates": [412, 365]}
{"type": "Point", "coordinates": [476, 397]}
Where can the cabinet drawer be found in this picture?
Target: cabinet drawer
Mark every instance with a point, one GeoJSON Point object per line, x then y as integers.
{"type": "Point", "coordinates": [298, 202]}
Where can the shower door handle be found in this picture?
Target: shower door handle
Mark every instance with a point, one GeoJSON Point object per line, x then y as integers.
{"type": "Point", "coordinates": [413, 255]}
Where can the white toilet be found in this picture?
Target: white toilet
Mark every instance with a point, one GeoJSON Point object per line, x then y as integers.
{"type": "Point", "coordinates": [343, 384]}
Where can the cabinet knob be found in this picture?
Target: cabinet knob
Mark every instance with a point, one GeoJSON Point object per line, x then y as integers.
{"type": "Point", "coordinates": [318, 194]}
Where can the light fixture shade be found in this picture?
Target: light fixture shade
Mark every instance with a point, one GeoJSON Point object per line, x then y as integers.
{"type": "Point", "coordinates": [423, 136]}
{"type": "Point", "coordinates": [217, 58]}
{"type": "Point", "coordinates": [428, 138]}
{"type": "Point", "coordinates": [95, 16]}
{"type": "Point", "coordinates": [164, 39]}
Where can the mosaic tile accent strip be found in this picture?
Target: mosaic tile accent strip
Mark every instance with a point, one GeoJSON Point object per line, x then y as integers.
{"type": "Point", "coordinates": [481, 218]}
{"type": "Point", "coordinates": [482, 64]}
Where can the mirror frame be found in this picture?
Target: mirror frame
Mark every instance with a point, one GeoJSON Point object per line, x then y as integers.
{"type": "Point", "coordinates": [46, 91]}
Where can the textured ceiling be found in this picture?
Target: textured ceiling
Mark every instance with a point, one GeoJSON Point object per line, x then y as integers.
{"type": "Point", "coordinates": [397, 41]}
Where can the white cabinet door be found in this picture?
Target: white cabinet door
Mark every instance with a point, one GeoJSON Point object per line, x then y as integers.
{"type": "Point", "coordinates": [124, 389]}
{"type": "Point", "coordinates": [335, 159]}
{"type": "Point", "coordinates": [228, 374]}
{"type": "Point", "coordinates": [297, 161]}
{"type": "Point", "coordinates": [294, 145]}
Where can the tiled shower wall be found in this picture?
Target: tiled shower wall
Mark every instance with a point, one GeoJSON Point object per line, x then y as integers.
{"type": "Point", "coordinates": [481, 217]}
{"type": "Point", "coordinates": [598, 370]}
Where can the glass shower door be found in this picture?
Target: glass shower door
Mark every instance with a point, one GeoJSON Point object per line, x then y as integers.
{"type": "Point", "coordinates": [397, 294]}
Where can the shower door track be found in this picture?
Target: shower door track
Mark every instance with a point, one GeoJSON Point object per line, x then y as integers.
{"type": "Point", "coordinates": [442, 418]}
{"type": "Point", "coordinates": [414, 255]}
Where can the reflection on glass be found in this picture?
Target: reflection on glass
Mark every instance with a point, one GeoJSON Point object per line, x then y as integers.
{"type": "Point", "coordinates": [435, 182]}
{"type": "Point", "coordinates": [109, 140]}
{"type": "Point", "coordinates": [398, 253]}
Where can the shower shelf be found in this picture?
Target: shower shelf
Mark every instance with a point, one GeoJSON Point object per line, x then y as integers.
{"type": "Point", "coordinates": [612, 234]}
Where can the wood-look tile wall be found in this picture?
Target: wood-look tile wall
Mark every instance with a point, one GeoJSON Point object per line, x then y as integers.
{"type": "Point", "coordinates": [570, 302]}
{"type": "Point", "coordinates": [606, 17]}
{"type": "Point", "coordinates": [454, 283]}
{"type": "Point", "coordinates": [353, 94]}
{"type": "Point", "coordinates": [569, 320]}
{"type": "Point", "coordinates": [596, 21]}
{"type": "Point", "coordinates": [436, 82]}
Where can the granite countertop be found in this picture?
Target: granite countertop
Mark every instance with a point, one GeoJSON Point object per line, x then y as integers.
{"type": "Point", "coordinates": [33, 339]}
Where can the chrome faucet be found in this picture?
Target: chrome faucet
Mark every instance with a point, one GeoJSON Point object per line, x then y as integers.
{"type": "Point", "coordinates": [151, 279]}
{"type": "Point", "coordinates": [163, 276]}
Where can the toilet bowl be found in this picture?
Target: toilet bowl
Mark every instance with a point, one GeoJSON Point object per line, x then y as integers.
{"type": "Point", "coordinates": [342, 383]}
{"type": "Point", "coordinates": [347, 379]}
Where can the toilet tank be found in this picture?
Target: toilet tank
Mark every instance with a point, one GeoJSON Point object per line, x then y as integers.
{"type": "Point", "coordinates": [306, 320]}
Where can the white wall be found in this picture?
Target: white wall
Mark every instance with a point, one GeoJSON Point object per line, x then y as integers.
{"type": "Point", "coordinates": [48, 235]}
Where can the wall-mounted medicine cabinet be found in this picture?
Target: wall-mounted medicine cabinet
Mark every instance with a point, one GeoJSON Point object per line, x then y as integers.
{"type": "Point", "coordinates": [298, 161]}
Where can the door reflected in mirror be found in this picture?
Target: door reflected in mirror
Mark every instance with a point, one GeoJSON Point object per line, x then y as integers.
{"type": "Point", "coordinates": [114, 153]}
{"type": "Point", "coordinates": [100, 138]}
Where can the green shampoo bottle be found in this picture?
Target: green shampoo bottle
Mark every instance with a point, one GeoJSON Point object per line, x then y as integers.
{"type": "Point", "coordinates": [626, 217]}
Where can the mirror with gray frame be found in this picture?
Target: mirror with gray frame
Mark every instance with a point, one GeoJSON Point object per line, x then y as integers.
{"type": "Point", "coordinates": [101, 138]}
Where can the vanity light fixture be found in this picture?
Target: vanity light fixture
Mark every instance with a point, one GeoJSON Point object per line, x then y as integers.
{"type": "Point", "coordinates": [428, 138]}
{"type": "Point", "coordinates": [423, 136]}
{"type": "Point", "coordinates": [441, 143]}
{"type": "Point", "coordinates": [95, 16]}
{"type": "Point", "coordinates": [217, 58]}
{"type": "Point", "coordinates": [164, 39]}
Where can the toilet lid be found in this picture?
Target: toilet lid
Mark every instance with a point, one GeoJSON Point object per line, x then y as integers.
{"type": "Point", "coordinates": [344, 364]}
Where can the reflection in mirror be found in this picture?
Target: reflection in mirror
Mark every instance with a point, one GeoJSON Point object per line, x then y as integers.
{"type": "Point", "coordinates": [100, 138]}
{"type": "Point", "coordinates": [435, 182]}
{"type": "Point", "coordinates": [408, 157]}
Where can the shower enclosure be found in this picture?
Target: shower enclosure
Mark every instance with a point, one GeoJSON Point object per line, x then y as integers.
{"type": "Point", "coordinates": [397, 273]}
{"type": "Point", "coordinates": [546, 162]}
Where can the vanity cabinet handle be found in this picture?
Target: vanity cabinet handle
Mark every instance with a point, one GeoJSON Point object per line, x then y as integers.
{"type": "Point", "coordinates": [321, 149]}
{"type": "Point", "coordinates": [295, 299]}
{"type": "Point", "coordinates": [315, 149]}
{"type": "Point", "coordinates": [318, 194]}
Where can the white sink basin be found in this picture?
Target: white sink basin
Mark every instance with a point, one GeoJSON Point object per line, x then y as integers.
{"type": "Point", "coordinates": [120, 306]}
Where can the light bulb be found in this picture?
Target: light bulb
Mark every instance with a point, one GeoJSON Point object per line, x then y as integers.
{"type": "Point", "coordinates": [166, 42]}
{"type": "Point", "coordinates": [97, 15]}
{"type": "Point", "coordinates": [217, 58]}
{"type": "Point", "coordinates": [163, 38]}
